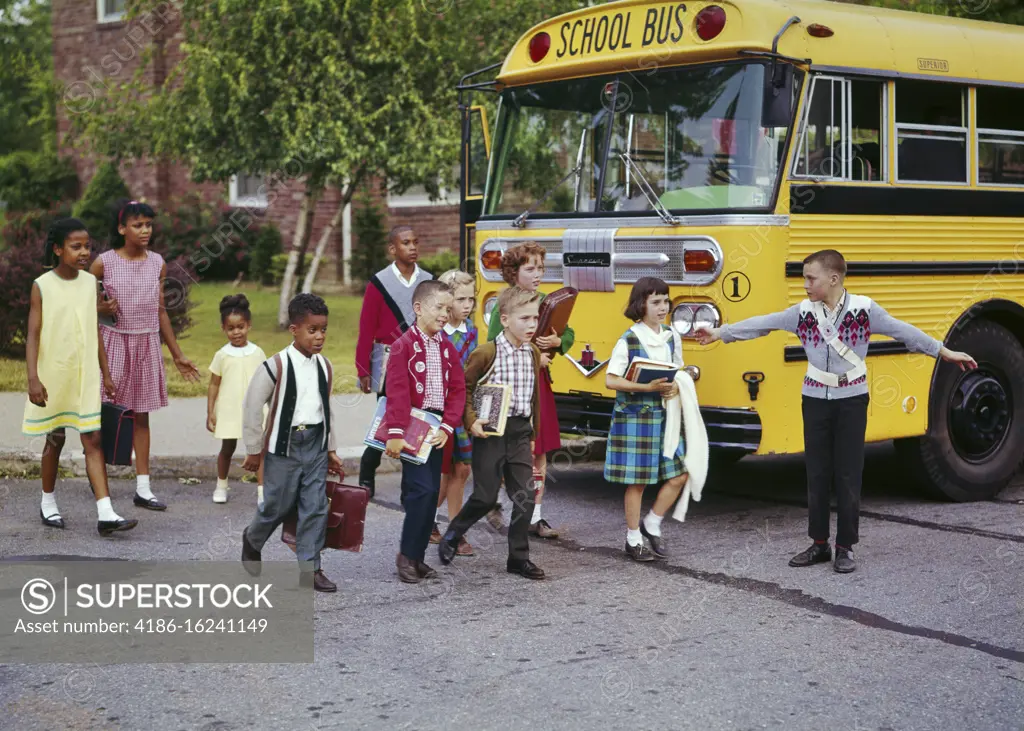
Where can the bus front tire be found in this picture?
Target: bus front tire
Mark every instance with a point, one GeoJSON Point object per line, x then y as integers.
{"type": "Point", "coordinates": [975, 439]}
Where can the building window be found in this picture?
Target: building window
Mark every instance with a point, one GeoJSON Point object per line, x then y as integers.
{"type": "Point", "coordinates": [417, 195]}
{"type": "Point", "coordinates": [110, 11]}
{"type": "Point", "coordinates": [248, 191]}
{"type": "Point", "coordinates": [842, 136]}
{"type": "Point", "coordinates": [931, 132]}
{"type": "Point", "coordinates": [1000, 136]}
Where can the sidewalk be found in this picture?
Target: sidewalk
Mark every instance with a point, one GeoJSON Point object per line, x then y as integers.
{"type": "Point", "coordinates": [180, 444]}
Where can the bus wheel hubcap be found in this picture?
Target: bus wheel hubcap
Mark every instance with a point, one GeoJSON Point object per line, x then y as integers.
{"type": "Point", "coordinates": [979, 415]}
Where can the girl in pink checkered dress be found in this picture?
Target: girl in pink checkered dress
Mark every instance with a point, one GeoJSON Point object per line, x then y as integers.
{"type": "Point", "coordinates": [134, 321]}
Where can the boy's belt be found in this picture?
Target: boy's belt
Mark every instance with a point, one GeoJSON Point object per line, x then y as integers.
{"type": "Point", "coordinates": [306, 427]}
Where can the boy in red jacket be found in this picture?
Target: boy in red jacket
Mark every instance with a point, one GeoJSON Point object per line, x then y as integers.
{"type": "Point", "coordinates": [424, 371]}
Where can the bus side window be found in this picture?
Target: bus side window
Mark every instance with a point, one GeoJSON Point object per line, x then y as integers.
{"type": "Point", "coordinates": [931, 132]}
{"type": "Point", "coordinates": [1000, 136]}
{"type": "Point", "coordinates": [842, 136]}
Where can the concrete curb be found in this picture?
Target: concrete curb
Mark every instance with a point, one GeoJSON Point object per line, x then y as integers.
{"type": "Point", "coordinates": [204, 467]}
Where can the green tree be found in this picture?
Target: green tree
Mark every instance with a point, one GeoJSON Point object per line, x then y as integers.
{"type": "Point", "coordinates": [997, 11]}
{"type": "Point", "coordinates": [330, 92]}
{"type": "Point", "coordinates": [27, 102]}
{"type": "Point", "coordinates": [93, 208]}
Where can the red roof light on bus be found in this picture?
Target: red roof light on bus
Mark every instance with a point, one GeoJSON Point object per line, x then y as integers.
{"type": "Point", "coordinates": [710, 22]}
{"type": "Point", "coordinates": [540, 44]}
{"type": "Point", "coordinates": [820, 31]}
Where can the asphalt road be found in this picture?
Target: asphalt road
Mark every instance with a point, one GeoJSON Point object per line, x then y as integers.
{"type": "Point", "coordinates": [927, 634]}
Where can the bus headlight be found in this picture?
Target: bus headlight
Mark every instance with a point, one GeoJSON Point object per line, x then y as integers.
{"type": "Point", "coordinates": [490, 302]}
{"type": "Point", "coordinates": [688, 317]}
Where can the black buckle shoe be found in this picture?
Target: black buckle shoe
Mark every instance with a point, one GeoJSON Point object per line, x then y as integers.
{"type": "Point", "coordinates": [639, 553]}
{"type": "Point", "coordinates": [844, 563]}
{"type": "Point", "coordinates": [659, 546]}
{"type": "Point", "coordinates": [54, 521]}
{"type": "Point", "coordinates": [148, 503]}
{"type": "Point", "coordinates": [817, 553]}
{"type": "Point", "coordinates": [525, 568]}
{"type": "Point", "coordinates": [106, 527]}
{"type": "Point", "coordinates": [447, 547]}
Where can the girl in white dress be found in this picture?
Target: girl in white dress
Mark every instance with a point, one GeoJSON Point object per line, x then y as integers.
{"type": "Point", "coordinates": [230, 372]}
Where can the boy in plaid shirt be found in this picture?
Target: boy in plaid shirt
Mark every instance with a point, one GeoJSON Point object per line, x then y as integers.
{"type": "Point", "coordinates": [511, 359]}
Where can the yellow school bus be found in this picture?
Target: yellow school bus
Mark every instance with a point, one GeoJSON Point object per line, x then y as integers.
{"type": "Point", "coordinates": [715, 144]}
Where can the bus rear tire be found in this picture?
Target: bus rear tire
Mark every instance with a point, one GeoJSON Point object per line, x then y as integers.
{"type": "Point", "coordinates": [975, 439]}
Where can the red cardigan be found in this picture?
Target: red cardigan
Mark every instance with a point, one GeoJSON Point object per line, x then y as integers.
{"type": "Point", "coordinates": [376, 324]}
{"type": "Point", "coordinates": [406, 382]}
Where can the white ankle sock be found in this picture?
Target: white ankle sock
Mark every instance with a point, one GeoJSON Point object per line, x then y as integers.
{"type": "Point", "coordinates": [105, 511]}
{"type": "Point", "coordinates": [49, 505]}
{"type": "Point", "coordinates": [142, 488]}
{"type": "Point", "coordinates": [634, 537]}
{"type": "Point", "coordinates": [222, 484]}
{"type": "Point", "coordinates": [653, 523]}
{"type": "Point", "coordinates": [536, 513]}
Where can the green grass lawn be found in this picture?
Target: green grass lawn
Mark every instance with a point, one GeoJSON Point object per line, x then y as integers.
{"type": "Point", "coordinates": [205, 337]}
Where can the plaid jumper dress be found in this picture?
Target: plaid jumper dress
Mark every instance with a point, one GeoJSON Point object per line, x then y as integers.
{"type": "Point", "coordinates": [633, 455]}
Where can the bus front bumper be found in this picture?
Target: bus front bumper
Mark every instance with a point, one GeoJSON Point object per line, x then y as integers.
{"type": "Point", "coordinates": [729, 430]}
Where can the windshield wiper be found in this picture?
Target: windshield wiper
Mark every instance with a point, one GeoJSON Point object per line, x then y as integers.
{"type": "Point", "coordinates": [648, 191]}
{"type": "Point", "coordinates": [520, 220]}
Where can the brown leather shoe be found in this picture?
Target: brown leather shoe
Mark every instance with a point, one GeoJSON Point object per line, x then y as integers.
{"type": "Point", "coordinates": [542, 529]}
{"type": "Point", "coordinates": [464, 548]}
{"type": "Point", "coordinates": [407, 570]}
{"type": "Point", "coordinates": [435, 535]}
{"type": "Point", "coordinates": [424, 571]}
{"type": "Point", "coordinates": [322, 583]}
{"type": "Point", "coordinates": [525, 568]}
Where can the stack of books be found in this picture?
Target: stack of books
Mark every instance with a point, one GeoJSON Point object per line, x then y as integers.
{"type": "Point", "coordinates": [645, 370]}
{"type": "Point", "coordinates": [422, 427]}
{"type": "Point", "coordinates": [491, 401]}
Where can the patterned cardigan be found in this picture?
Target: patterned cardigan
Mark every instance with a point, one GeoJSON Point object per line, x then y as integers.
{"type": "Point", "coordinates": [406, 383]}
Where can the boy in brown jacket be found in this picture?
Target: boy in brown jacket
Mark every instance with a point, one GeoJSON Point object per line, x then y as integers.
{"type": "Point", "coordinates": [510, 359]}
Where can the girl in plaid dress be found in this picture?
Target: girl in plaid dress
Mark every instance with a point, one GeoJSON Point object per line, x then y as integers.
{"type": "Point", "coordinates": [132, 277]}
{"type": "Point", "coordinates": [634, 454]}
{"type": "Point", "coordinates": [458, 452]}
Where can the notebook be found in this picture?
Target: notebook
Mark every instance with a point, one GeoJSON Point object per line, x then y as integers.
{"type": "Point", "coordinates": [645, 370]}
{"type": "Point", "coordinates": [422, 426]}
{"type": "Point", "coordinates": [491, 401]}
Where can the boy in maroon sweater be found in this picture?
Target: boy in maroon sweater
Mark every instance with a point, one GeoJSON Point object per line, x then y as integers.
{"type": "Point", "coordinates": [424, 371]}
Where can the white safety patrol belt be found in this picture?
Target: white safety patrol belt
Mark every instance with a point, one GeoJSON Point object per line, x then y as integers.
{"type": "Point", "coordinates": [831, 336]}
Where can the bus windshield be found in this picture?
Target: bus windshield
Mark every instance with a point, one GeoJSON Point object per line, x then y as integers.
{"type": "Point", "coordinates": [693, 134]}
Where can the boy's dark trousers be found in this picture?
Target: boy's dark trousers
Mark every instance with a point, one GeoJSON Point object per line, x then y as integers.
{"type": "Point", "coordinates": [834, 454]}
{"type": "Point", "coordinates": [369, 463]}
{"type": "Point", "coordinates": [509, 457]}
{"type": "Point", "coordinates": [420, 486]}
{"type": "Point", "coordinates": [299, 479]}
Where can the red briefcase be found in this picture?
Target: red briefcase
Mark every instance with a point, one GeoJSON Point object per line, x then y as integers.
{"type": "Point", "coordinates": [555, 311]}
{"type": "Point", "coordinates": [346, 514]}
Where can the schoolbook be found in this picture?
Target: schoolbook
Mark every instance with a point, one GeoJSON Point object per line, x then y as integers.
{"type": "Point", "coordinates": [491, 402]}
{"type": "Point", "coordinates": [645, 370]}
{"type": "Point", "coordinates": [422, 426]}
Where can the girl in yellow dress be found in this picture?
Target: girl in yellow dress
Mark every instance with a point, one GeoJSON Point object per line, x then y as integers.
{"type": "Point", "coordinates": [65, 360]}
{"type": "Point", "coordinates": [230, 373]}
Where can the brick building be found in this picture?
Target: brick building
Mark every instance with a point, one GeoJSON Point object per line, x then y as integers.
{"type": "Point", "coordinates": [95, 48]}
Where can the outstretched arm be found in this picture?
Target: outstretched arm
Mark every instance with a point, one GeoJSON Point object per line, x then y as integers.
{"type": "Point", "coordinates": [915, 339]}
{"type": "Point", "coordinates": [752, 327]}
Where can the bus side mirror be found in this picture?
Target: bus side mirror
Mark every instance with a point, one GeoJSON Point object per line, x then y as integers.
{"type": "Point", "coordinates": [777, 106]}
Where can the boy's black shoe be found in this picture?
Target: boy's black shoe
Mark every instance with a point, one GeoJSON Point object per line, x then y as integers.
{"type": "Point", "coordinates": [317, 580]}
{"type": "Point", "coordinates": [525, 568]}
{"type": "Point", "coordinates": [817, 553]}
{"type": "Point", "coordinates": [106, 527]}
{"type": "Point", "coordinates": [447, 547]}
{"type": "Point", "coordinates": [251, 558]}
{"type": "Point", "coordinates": [639, 552]}
{"type": "Point", "coordinates": [844, 563]}
{"type": "Point", "coordinates": [659, 547]}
